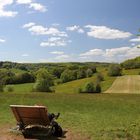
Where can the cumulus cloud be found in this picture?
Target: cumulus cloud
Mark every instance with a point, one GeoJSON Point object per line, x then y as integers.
{"type": "Point", "coordinates": [93, 52]}
{"type": "Point", "coordinates": [28, 25]}
{"type": "Point", "coordinates": [135, 39]}
{"type": "Point", "coordinates": [57, 52]}
{"type": "Point", "coordinates": [75, 28]}
{"type": "Point", "coordinates": [24, 1]}
{"type": "Point", "coordinates": [103, 32]}
{"type": "Point", "coordinates": [40, 30]}
{"type": "Point", "coordinates": [38, 7]}
{"type": "Point", "coordinates": [2, 40]}
{"type": "Point", "coordinates": [6, 13]}
{"type": "Point", "coordinates": [116, 51]}
{"type": "Point", "coordinates": [54, 41]}
{"type": "Point", "coordinates": [113, 54]}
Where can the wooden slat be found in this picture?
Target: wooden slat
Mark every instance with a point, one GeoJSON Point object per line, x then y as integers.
{"type": "Point", "coordinates": [30, 114]}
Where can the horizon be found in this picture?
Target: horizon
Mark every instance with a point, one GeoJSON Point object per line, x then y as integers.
{"type": "Point", "coordinates": [59, 31]}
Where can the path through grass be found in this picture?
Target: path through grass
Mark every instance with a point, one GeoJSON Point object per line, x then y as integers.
{"type": "Point", "coordinates": [126, 84]}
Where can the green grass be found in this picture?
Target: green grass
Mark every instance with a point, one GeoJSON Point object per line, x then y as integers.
{"type": "Point", "coordinates": [18, 88]}
{"type": "Point", "coordinates": [100, 116]}
{"type": "Point", "coordinates": [131, 72]}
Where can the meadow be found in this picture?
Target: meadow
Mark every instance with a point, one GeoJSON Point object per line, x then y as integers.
{"type": "Point", "coordinates": [99, 116]}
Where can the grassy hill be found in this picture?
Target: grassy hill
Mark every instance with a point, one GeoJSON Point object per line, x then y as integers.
{"type": "Point", "coordinates": [131, 63]}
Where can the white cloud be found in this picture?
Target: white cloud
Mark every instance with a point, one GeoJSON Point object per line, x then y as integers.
{"type": "Point", "coordinates": [40, 30]}
{"type": "Point", "coordinates": [57, 52]}
{"type": "Point", "coordinates": [62, 57]}
{"type": "Point", "coordinates": [135, 39]}
{"type": "Point", "coordinates": [116, 51]}
{"type": "Point", "coordinates": [25, 55]}
{"type": "Point", "coordinates": [24, 1]}
{"type": "Point", "coordinates": [111, 55]}
{"type": "Point", "coordinates": [75, 28]}
{"type": "Point", "coordinates": [103, 32]}
{"type": "Point", "coordinates": [93, 52]}
{"type": "Point", "coordinates": [2, 40]}
{"type": "Point", "coordinates": [28, 25]}
{"type": "Point", "coordinates": [54, 41]}
{"type": "Point", "coordinates": [6, 13]}
{"type": "Point", "coordinates": [38, 7]}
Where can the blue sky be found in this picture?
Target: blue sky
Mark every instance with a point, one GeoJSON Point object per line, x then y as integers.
{"type": "Point", "coordinates": [69, 30]}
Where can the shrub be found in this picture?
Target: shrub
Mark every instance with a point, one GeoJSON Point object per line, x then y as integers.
{"type": "Point", "coordinates": [89, 73]}
{"type": "Point", "coordinates": [68, 75]}
{"type": "Point", "coordinates": [88, 88]}
{"type": "Point", "coordinates": [10, 88]}
{"type": "Point", "coordinates": [114, 70]}
{"type": "Point", "coordinates": [98, 88]}
{"type": "Point", "coordinates": [99, 77]}
{"type": "Point", "coordinates": [2, 87]}
{"type": "Point", "coordinates": [81, 74]}
{"type": "Point", "coordinates": [44, 81]}
{"type": "Point", "coordinates": [42, 86]}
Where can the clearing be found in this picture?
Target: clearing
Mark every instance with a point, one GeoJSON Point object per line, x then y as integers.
{"type": "Point", "coordinates": [126, 84]}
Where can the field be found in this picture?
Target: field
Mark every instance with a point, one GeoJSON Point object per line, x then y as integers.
{"type": "Point", "coordinates": [83, 116]}
{"type": "Point", "coordinates": [100, 116]}
{"type": "Point", "coordinates": [126, 84]}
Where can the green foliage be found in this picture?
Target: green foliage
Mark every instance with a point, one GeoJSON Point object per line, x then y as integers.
{"type": "Point", "coordinates": [99, 77]}
{"type": "Point", "coordinates": [98, 88]}
{"type": "Point", "coordinates": [10, 88]}
{"type": "Point", "coordinates": [2, 87]}
{"type": "Point", "coordinates": [68, 75]}
{"type": "Point", "coordinates": [57, 72]}
{"type": "Point", "coordinates": [89, 73]}
{"type": "Point", "coordinates": [25, 77]}
{"type": "Point", "coordinates": [114, 70]}
{"type": "Point", "coordinates": [131, 63]}
{"type": "Point", "coordinates": [93, 68]}
{"type": "Point", "coordinates": [88, 88]}
{"type": "Point", "coordinates": [44, 81]}
{"type": "Point", "coordinates": [42, 85]}
{"type": "Point", "coordinates": [81, 73]}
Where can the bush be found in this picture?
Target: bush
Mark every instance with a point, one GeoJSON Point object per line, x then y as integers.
{"type": "Point", "coordinates": [68, 75]}
{"type": "Point", "coordinates": [10, 88]}
{"type": "Point", "coordinates": [42, 86]}
{"type": "Point", "coordinates": [89, 73]}
{"type": "Point", "coordinates": [44, 81]}
{"type": "Point", "coordinates": [114, 70]}
{"type": "Point", "coordinates": [81, 74]}
{"type": "Point", "coordinates": [99, 78]}
{"type": "Point", "coordinates": [98, 88]}
{"type": "Point", "coordinates": [2, 87]}
{"type": "Point", "coordinates": [88, 88]}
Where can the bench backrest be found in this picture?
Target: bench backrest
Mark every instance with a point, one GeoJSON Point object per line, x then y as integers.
{"type": "Point", "coordinates": [31, 115]}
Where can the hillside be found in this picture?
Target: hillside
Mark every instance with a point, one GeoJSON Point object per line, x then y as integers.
{"type": "Point", "coordinates": [131, 63]}
{"type": "Point", "coordinates": [126, 84]}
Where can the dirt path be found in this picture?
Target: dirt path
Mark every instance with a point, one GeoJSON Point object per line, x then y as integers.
{"type": "Point", "coordinates": [125, 84]}
{"type": "Point", "coordinates": [6, 134]}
